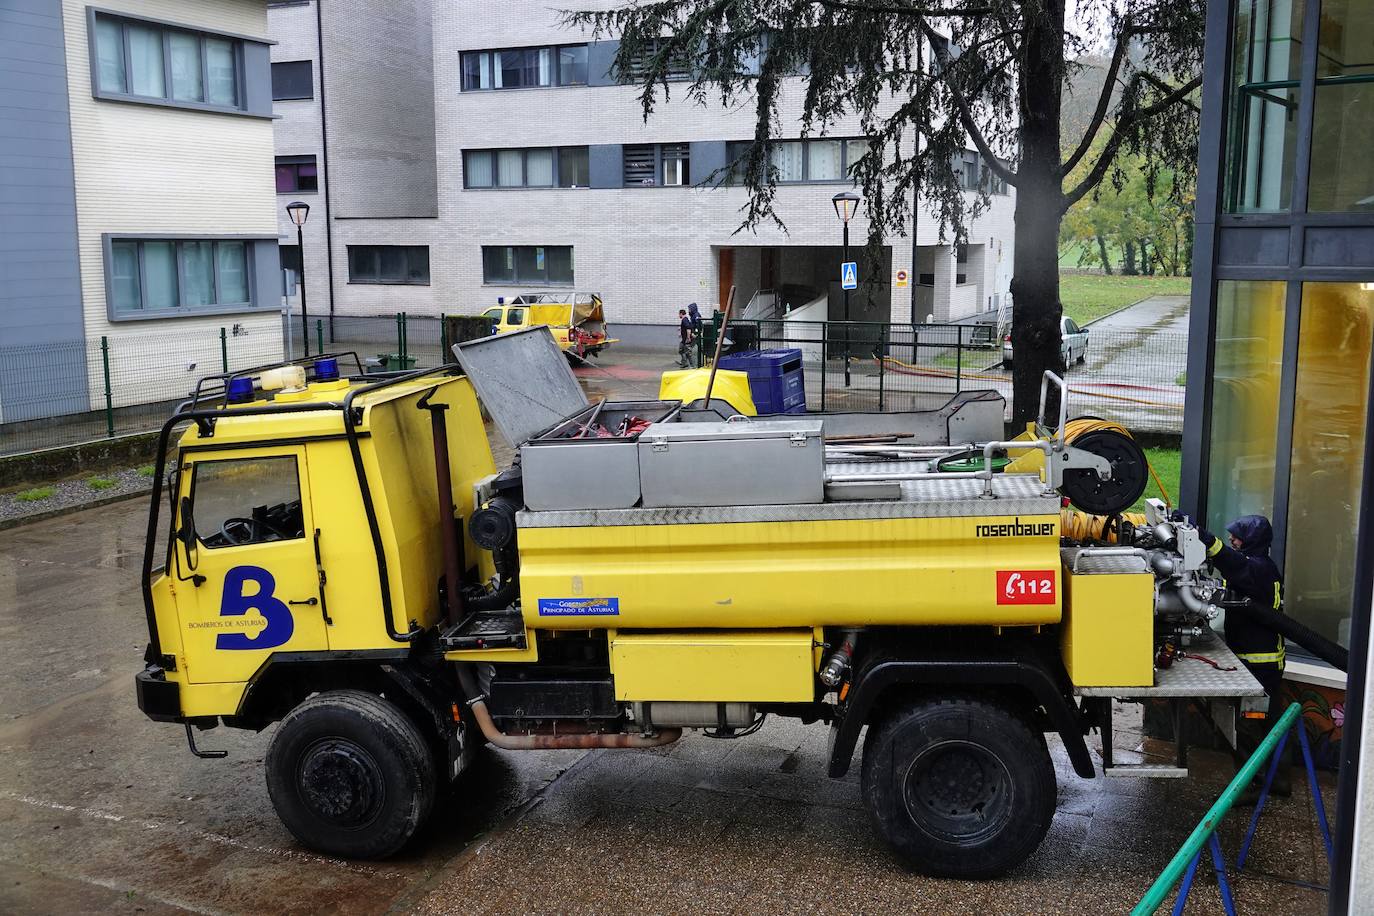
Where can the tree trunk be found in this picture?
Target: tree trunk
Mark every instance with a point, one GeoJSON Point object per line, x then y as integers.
{"type": "Point", "coordinates": [1035, 333]}
{"type": "Point", "coordinates": [1129, 270]}
{"type": "Point", "coordinates": [1102, 253]}
{"type": "Point", "coordinates": [1188, 230]}
{"type": "Point", "coordinates": [1147, 259]}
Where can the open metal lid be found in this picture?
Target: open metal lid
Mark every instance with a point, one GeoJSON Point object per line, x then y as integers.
{"type": "Point", "coordinates": [523, 380]}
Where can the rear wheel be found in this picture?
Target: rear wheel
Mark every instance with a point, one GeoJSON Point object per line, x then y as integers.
{"type": "Point", "coordinates": [960, 788]}
{"type": "Point", "coordinates": [350, 775]}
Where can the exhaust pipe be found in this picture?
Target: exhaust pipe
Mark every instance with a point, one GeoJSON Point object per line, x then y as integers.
{"type": "Point", "coordinates": [500, 739]}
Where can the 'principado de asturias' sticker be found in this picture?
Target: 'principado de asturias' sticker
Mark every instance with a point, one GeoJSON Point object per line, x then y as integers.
{"type": "Point", "coordinates": [579, 607]}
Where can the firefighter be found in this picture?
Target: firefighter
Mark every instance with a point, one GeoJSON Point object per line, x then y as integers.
{"type": "Point", "coordinates": [1253, 575]}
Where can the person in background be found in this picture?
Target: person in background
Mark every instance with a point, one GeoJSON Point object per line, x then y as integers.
{"type": "Point", "coordinates": [1253, 575]}
{"type": "Point", "coordinates": [694, 313]}
{"type": "Point", "coordinates": [686, 334]}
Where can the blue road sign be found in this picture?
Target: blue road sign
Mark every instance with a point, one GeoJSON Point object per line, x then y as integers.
{"type": "Point", "coordinates": [849, 275]}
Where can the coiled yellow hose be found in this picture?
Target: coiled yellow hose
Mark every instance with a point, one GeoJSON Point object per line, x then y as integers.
{"type": "Point", "coordinates": [1075, 428]}
{"type": "Point", "coordinates": [1080, 526]}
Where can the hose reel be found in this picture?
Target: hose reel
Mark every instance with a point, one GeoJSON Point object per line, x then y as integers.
{"type": "Point", "coordinates": [1130, 468]}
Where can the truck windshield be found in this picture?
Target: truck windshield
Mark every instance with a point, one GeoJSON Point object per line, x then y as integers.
{"type": "Point", "coordinates": [246, 501]}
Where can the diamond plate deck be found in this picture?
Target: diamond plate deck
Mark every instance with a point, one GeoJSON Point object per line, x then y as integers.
{"type": "Point", "coordinates": [1190, 677]}
{"type": "Point", "coordinates": [958, 498]}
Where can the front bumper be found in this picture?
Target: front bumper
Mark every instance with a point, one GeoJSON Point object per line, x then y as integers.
{"type": "Point", "coordinates": [159, 698]}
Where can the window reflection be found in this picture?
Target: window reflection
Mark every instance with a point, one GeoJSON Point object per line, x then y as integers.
{"type": "Point", "coordinates": [1267, 55]}
{"type": "Point", "coordinates": [1248, 361]}
{"type": "Point", "coordinates": [1342, 173]}
{"type": "Point", "coordinates": [1327, 464]}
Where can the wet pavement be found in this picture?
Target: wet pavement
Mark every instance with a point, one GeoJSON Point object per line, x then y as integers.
{"type": "Point", "coordinates": [102, 810]}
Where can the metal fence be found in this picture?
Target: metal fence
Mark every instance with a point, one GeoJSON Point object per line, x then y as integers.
{"type": "Point", "coordinates": [1132, 376]}
{"type": "Point", "coordinates": [128, 382]}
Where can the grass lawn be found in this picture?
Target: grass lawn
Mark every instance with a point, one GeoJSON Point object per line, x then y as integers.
{"type": "Point", "coordinates": [1167, 463]}
{"type": "Point", "coordinates": [1090, 296]}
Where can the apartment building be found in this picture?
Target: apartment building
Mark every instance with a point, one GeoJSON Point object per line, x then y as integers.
{"type": "Point", "coordinates": [541, 175]}
{"type": "Point", "coordinates": [136, 198]}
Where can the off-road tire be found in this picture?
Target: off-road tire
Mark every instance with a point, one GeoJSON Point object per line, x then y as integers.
{"type": "Point", "coordinates": [351, 775]}
{"type": "Point", "coordinates": [959, 787]}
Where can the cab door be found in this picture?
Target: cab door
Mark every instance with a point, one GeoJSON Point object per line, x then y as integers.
{"type": "Point", "coordinates": [247, 561]}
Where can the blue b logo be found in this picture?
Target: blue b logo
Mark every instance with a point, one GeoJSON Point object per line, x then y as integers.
{"type": "Point", "coordinates": [235, 603]}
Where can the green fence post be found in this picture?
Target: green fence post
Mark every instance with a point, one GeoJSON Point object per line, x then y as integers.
{"type": "Point", "coordinates": [319, 336]}
{"type": "Point", "coordinates": [405, 339]}
{"type": "Point", "coordinates": [825, 353]}
{"type": "Point", "coordinates": [398, 336]}
{"type": "Point", "coordinates": [224, 350]}
{"type": "Point", "coordinates": [882, 363]}
{"type": "Point", "coordinates": [443, 339]}
{"type": "Point", "coordinates": [109, 397]}
{"type": "Point", "coordinates": [959, 358]}
{"type": "Point", "coordinates": [1209, 823]}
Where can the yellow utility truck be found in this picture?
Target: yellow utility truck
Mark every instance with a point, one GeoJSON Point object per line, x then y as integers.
{"type": "Point", "coordinates": [577, 321]}
{"type": "Point", "coordinates": [342, 557]}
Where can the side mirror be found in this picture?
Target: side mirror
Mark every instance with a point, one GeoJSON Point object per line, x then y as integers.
{"type": "Point", "coordinates": [186, 533]}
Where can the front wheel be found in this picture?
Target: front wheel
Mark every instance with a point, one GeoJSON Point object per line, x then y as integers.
{"type": "Point", "coordinates": [350, 775]}
{"type": "Point", "coordinates": [958, 787]}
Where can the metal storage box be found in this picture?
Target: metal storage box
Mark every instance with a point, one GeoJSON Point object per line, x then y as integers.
{"type": "Point", "coordinates": [532, 396]}
{"type": "Point", "coordinates": [759, 463]}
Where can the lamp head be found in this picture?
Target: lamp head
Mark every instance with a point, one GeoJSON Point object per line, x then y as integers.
{"type": "Point", "coordinates": [846, 204]}
{"type": "Point", "coordinates": [298, 210]}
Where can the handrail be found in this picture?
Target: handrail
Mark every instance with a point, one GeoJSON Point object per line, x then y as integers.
{"type": "Point", "coordinates": [1212, 819]}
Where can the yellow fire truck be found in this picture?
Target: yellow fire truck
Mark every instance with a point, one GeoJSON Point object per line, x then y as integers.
{"type": "Point", "coordinates": [341, 556]}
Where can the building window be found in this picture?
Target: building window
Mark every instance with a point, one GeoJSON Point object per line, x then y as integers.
{"type": "Point", "coordinates": [292, 79]}
{"type": "Point", "coordinates": [805, 161]}
{"type": "Point", "coordinates": [525, 68]}
{"type": "Point", "coordinates": [1341, 178]}
{"type": "Point", "coordinates": [143, 61]}
{"type": "Point", "coordinates": [540, 167]}
{"type": "Point", "coordinates": [639, 165]}
{"type": "Point", "coordinates": [547, 264]}
{"type": "Point", "coordinates": [1327, 463]}
{"type": "Point", "coordinates": [148, 275]}
{"type": "Point", "coordinates": [1266, 58]}
{"type": "Point", "coordinates": [679, 66]}
{"type": "Point", "coordinates": [396, 264]}
{"type": "Point", "coordinates": [297, 173]}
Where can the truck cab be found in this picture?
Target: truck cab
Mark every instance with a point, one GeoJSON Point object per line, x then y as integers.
{"type": "Point", "coordinates": [340, 554]}
{"type": "Point", "coordinates": [576, 320]}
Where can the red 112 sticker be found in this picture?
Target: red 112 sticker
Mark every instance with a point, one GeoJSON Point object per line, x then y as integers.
{"type": "Point", "coordinates": [1025, 586]}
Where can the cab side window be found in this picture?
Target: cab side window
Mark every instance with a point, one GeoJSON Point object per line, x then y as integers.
{"type": "Point", "coordinates": [492, 313]}
{"type": "Point", "coordinates": [515, 316]}
{"type": "Point", "coordinates": [246, 501]}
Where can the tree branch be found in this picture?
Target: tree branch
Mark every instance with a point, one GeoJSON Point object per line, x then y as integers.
{"type": "Point", "coordinates": [1104, 101]}
{"type": "Point", "coordinates": [965, 111]}
{"type": "Point", "coordinates": [1134, 119]}
{"type": "Point", "coordinates": [905, 10]}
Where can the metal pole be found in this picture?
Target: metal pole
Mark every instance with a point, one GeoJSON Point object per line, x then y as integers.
{"type": "Point", "coordinates": [959, 358]}
{"type": "Point", "coordinates": [443, 338]}
{"type": "Point", "coordinates": [109, 399]}
{"type": "Point", "coordinates": [405, 339]}
{"type": "Point", "coordinates": [845, 259]}
{"type": "Point", "coordinates": [400, 345]}
{"type": "Point", "coordinates": [224, 350]}
{"type": "Point", "coordinates": [825, 353]}
{"type": "Point", "coordinates": [319, 336]}
{"type": "Point", "coordinates": [305, 320]}
{"type": "Point", "coordinates": [882, 362]}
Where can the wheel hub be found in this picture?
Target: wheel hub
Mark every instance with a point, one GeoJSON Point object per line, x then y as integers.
{"type": "Point", "coordinates": [340, 782]}
{"type": "Point", "coordinates": [957, 787]}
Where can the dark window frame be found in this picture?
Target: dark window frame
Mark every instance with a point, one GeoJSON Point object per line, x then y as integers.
{"type": "Point", "coordinates": [376, 250]}
{"type": "Point", "coordinates": [297, 162]}
{"type": "Point", "coordinates": [486, 61]}
{"type": "Point", "coordinates": [524, 185]}
{"type": "Point", "coordinates": [165, 30]}
{"type": "Point", "coordinates": [115, 313]}
{"type": "Point", "coordinates": [515, 260]}
{"type": "Point", "coordinates": [655, 168]}
{"type": "Point", "coordinates": [734, 149]}
{"type": "Point", "coordinates": [309, 70]}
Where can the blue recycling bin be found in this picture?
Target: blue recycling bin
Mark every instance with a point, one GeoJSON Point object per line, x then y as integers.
{"type": "Point", "coordinates": [775, 378]}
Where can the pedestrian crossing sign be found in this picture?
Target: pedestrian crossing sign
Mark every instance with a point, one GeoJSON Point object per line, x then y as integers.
{"type": "Point", "coordinates": [849, 275]}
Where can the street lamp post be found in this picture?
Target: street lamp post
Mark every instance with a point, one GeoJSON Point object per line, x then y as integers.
{"type": "Point", "coordinates": [298, 211]}
{"type": "Point", "coordinates": [846, 203]}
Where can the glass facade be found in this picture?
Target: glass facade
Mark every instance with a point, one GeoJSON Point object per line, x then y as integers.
{"type": "Point", "coordinates": [1266, 65]}
{"type": "Point", "coordinates": [1247, 360]}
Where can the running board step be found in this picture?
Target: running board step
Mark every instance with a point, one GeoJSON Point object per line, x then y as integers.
{"type": "Point", "coordinates": [492, 630]}
{"type": "Point", "coordinates": [1145, 771]}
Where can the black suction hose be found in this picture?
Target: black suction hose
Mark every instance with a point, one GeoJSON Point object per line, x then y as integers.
{"type": "Point", "coordinates": [1326, 650]}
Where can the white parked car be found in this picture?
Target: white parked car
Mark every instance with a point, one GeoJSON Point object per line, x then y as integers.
{"type": "Point", "coordinates": [1073, 343]}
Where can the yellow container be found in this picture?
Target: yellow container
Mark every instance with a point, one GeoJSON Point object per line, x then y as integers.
{"type": "Point", "coordinates": [758, 666]}
{"type": "Point", "coordinates": [688, 385]}
{"type": "Point", "coordinates": [1107, 639]}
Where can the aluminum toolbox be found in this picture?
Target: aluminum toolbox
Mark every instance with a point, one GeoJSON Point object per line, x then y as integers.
{"type": "Point", "coordinates": [531, 394]}
{"type": "Point", "coordinates": [756, 463]}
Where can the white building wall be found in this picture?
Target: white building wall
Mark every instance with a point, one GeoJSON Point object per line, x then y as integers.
{"type": "Point", "coordinates": [142, 169]}
{"type": "Point", "coordinates": [296, 132]}
{"type": "Point", "coordinates": [648, 251]}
